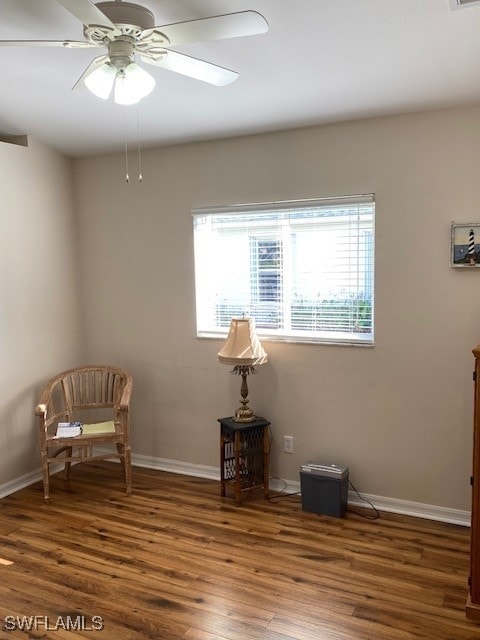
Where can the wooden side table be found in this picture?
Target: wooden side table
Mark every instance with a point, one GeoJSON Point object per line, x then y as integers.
{"type": "Point", "coordinates": [244, 451]}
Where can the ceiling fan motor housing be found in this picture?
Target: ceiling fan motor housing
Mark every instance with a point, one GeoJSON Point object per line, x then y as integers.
{"type": "Point", "coordinates": [120, 52]}
{"type": "Point", "coordinates": [129, 18]}
{"type": "Point", "coordinates": [128, 14]}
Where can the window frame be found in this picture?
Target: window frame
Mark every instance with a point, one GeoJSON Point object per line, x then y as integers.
{"type": "Point", "coordinates": [342, 338]}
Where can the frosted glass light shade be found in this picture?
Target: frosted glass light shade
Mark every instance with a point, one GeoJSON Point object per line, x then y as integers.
{"type": "Point", "coordinates": [133, 84]}
{"type": "Point", "coordinates": [100, 82]}
{"type": "Point", "coordinates": [242, 346]}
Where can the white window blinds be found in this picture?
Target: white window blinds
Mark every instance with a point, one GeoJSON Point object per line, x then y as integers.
{"type": "Point", "coordinates": [304, 270]}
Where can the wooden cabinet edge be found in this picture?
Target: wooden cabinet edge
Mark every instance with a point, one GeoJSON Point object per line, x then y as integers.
{"type": "Point", "coordinates": [473, 610]}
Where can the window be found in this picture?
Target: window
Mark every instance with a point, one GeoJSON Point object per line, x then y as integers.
{"type": "Point", "coordinates": [304, 270]}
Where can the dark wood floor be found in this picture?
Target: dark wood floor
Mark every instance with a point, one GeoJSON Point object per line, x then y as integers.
{"type": "Point", "coordinates": [177, 561]}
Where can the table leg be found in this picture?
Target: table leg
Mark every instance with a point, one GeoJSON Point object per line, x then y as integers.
{"type": "Point", "coordinates": [266, 454]}
{"type": "Point", "coordinates": [222, 463]}
{"type": "Point", "coordinates": [238, 485]}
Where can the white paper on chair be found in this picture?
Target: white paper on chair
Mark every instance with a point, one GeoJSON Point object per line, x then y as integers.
{"type": "Point", "coordinates": [68, 429]}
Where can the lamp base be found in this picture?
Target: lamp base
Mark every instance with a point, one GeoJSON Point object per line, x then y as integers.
{"type": "Point", "coordinates": [244, 414]}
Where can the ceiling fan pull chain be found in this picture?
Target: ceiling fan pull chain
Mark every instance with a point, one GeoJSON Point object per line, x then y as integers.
{"type": "Point", "coordinates": [140, 176]}
{"type": "Point", "coordinates": [127, 177]}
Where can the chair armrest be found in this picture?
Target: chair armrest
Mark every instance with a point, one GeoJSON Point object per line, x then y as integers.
{"type": "Point", "coordinates": [42, 405]}
{"type": "Point", "coordinates": [41, 410]}
{"type": "Point", "coordinates": [125, 399]}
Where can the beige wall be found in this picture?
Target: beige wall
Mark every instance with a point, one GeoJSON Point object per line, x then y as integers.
{"type": "Point", "coordinates": [39, 316]}
{"type": "Point", "coordinates": [398, 415]}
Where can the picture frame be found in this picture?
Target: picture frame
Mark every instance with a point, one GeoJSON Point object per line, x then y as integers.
{"type": "Point", "coordinates": [465, 245]}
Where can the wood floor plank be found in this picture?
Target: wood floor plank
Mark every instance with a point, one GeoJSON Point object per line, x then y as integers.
{"type": "Point", "coordinates": [176, 561]}
{"type": "Point", "coordinates": [300, 629]}
{"type": "Point", "coordinates": [197, 634]}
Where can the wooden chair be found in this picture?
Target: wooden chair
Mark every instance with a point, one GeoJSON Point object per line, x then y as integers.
{"type": "Point", "coordinates": [76, 394]}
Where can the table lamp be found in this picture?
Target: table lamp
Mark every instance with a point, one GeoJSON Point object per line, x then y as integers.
{"type": "Point", "coordinates": [243, 350]}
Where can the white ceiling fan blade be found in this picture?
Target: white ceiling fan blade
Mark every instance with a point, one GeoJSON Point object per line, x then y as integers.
{"type": "Point", "coordinates": [192, 67]}
{"type": "Point", "coordinates": [87, 13]}
{"type": "Point", "coordinates": [71, 44]}
{"type": "Point", "coordinates": [93, 66]}
{"type": "Point", "coordinates": [232, 25]}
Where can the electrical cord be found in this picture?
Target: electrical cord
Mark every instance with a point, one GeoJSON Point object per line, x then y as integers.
{"type": "Point", "coordinates": [362, 515]}
{"type": "Point", "coordinates": [282, 495]}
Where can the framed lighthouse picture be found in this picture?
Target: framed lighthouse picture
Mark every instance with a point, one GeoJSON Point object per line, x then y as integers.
{"type": "Point", "coordinates": [465, 245]}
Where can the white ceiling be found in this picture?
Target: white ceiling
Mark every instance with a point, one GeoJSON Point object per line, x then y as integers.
{"type": "Point", "coordinates": [321, 61]}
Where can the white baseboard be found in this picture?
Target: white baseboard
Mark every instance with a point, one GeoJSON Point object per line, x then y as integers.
{"type": "Point", "coordinates": [393, 505]}
{"type": "Point", "coordinates": [175, 466]}
{"type": "Point", "coordinates": [417, 509]}
{"type": "Point", "coordinates": [26, 480]}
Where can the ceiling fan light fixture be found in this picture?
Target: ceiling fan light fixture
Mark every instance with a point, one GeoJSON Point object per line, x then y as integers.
{"type": "Point", "coordinates": [126, 29]}
{"type": "Point", "coordinates": [100, 82]}
{"type": "Point", "coordinates": [133, 83]}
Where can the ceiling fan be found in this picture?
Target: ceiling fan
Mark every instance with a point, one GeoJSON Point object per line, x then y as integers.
{"type": "Point", "coordinates": [126, 29]}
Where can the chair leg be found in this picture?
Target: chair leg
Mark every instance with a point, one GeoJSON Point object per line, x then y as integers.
{"type": "Point", "coordinates": [128, 470]}
{"type": "Point", "coordinates": [68, 463]}
{"type": "Point", "coordinates": [46, 478]}
{"type": "Point", "coordinates": [121, 451]}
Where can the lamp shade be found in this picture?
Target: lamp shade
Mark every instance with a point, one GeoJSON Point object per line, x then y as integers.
{"type": "Point", "coordinates": [242, 346]}
{"type": "Point", "coordinates": [131, 83]}
{"type": "Point", "coordinates": [100, 82]}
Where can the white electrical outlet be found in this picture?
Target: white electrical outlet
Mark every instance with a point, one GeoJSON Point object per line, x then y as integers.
{"type": "Point", "coordinates": [288, 444]}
